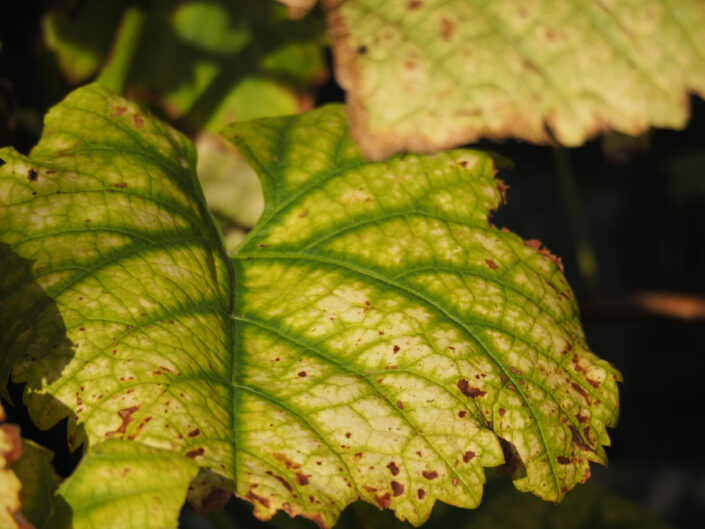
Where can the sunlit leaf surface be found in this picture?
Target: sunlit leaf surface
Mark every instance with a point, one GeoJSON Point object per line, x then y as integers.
{"type": "Point", "coordinates": [422, 75]}
{"type": "Point", "coordinates": [374, 336]}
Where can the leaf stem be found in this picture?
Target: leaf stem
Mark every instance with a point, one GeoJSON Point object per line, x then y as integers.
{"type": "Point", "coordinates": [584, 253]}
{"type": "Point", "coordinates": [127, 37]}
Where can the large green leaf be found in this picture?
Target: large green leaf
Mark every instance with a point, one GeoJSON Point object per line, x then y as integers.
{"type": "Point", "coordinates": [124, 485]}
{"type": "Point", "coordinates": [373, 337]}
{"type": "Point", "coordinates": [428, 74]}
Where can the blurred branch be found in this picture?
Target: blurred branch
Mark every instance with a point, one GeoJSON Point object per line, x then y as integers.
{"type": "Point", "coordinates": [584, 253]}
{"type": "Point", "coordinates": [117, 65]}
{"type": "Point", "coordinates": [647, 305]}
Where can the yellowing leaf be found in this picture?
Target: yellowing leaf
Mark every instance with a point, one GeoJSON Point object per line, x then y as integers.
{"type": "Point", "coordinates": [10, 450]}
{"type": "Point", "coordinates": [124, 485]}
{"type": "Point", "coordinates": [423, 75]}
{"type": "Point", "coordinates": [373, 336]}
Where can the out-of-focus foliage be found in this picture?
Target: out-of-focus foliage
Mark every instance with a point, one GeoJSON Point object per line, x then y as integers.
{"type": "Point", "coordinates": [207, 62]}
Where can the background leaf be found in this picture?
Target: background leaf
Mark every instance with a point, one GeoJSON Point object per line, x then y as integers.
{"type": "Point", "coordinates": [423, 75]}
{"type": "Point", "coordinates": [206, 62]}
{"type": "Point", "coordinates": [124, 485]}
{"type": "Point", "coordinates": [374, 335]}
{"type": "Point", "coordinates": [39, 481]}
{"type": "Point", "coordinates": [10, 485]}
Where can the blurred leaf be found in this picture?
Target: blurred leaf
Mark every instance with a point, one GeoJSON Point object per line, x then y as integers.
{"type": "Point", "coordinates": [686, 173]}
{"type": "Point", "coordinates": [423, 75]}
{"type": "Point", "coordinates": [209, 62]}
{"type": "Point", "coordinates": [10, 450]}
{"type": "Point", "coordinates": [231, 187]}
{"type": "Point", "coordinates": [620, 148]}
{"type": "Point", "coordinates": [39, 481]}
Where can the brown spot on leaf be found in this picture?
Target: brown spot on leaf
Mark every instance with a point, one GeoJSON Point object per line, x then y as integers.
{"type": "Point", "coordinates": [492, 264]}
{"type": "Point", "coordinates": [557, 260]}
{"type": "Point", "coordinates": [126, 416]}
{"type": "Point", "coordinates": [369, 489]}
{"type": "Point", "coordinates": [467, 456]}
{"type": "Point", "coordinates": [502, 411]}
{"type": "Point", "coordinates": [259, 499]}
{"type": "Point", "coordinates": [414, 4]}
{"type": "Point", "coordinates": [582, 392]}
{"type": "Point", "coordinates": [302, 479]}
{"type": "Point", "coordinates": [398, 488]}
{"type": "Point", "coordinates": [429, 474]}
{"type": "Point", "coordinates": [563, 460]}
{"type": "Point", "coordinates": [400, 405]}
{"type": "Point", "coordinates": [462, 413]}
{"type": "Point", "coordinates": [302, 373]}
{"type": "Point", "coordinates": [396, 348]}
{"type": "Point", "coordinates": [383, 501]}
{"type": "Point", "coordinates": [137, 120]}
{"type": "Point", "coordinates": [194, 433]}
{"type": "Point", "coordinates": [420, 493]}
{"type": "Point", "coordinates": [578, 440]}
{"type": "Point", "coordinates": [32, 175]}
{"type": "Point", "coordinates": [362, 50]}
{"type": "Point", "coordinates": [469, 391]}
{"type": "Point", "coordinates": [586, 431]}
{"type": "Point", "coordinates": [447, 29]}
{"type": "Point", "coordinates": [195, 453]}
{"type": "Point", "coordinates": [348, 435]}
{"type": "Point", "coordinates": [281, 480]}
{"type": "Point", "coordinates": [393, 468]}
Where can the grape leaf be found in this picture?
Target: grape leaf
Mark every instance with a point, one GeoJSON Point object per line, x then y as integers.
{"type": "Point", "coordinates": [10, 449]}
{"type": "Point", "coordinates": [422, 75]}
{"type": "Point", "coordinates": [373, 336]}
{"type": "Point", "coordinates": [124, 485]}
{"type": "Point", "coordinates": [39, 481]}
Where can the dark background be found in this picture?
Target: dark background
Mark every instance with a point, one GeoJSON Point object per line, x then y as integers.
{"type": "Point", "coordinates": [640, 208]}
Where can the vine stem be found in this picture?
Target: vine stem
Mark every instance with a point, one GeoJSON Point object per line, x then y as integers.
{"type": "Point", "coordinates": [127, 37]}
{"type": "Point", "coordinates": [584, 253]}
